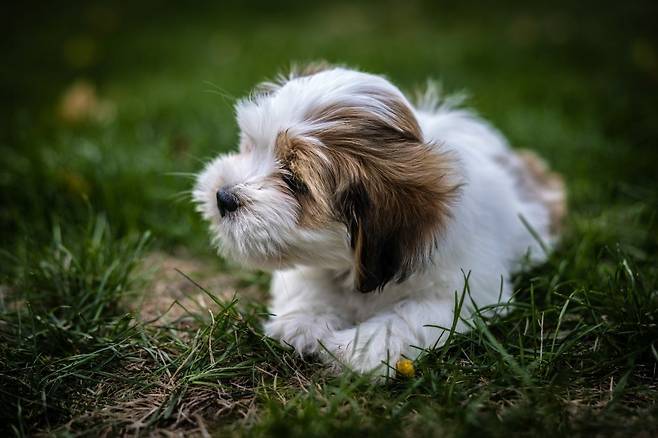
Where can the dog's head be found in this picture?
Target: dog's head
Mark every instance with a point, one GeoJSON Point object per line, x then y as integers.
{"type": "Point", "coordinates": [332, 171]}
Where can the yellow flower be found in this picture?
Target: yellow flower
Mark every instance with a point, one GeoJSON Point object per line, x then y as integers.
{"type": "Point", "coordinates": [405, 367]}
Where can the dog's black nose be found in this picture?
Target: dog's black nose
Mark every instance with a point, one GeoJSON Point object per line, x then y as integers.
{"type": "Point", "coordinates": [226, 201]}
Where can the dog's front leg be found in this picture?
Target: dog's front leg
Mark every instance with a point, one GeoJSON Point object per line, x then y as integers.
{"type": "Point", "coordinates": [305, 309]}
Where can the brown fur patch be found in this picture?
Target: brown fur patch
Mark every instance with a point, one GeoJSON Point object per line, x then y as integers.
{"type": "Point", "coordinates": [296, 71]}
{"type": "Point", "coordinates": [309, 69]}
{"type": "Point", "coordinates": [376, 175]}
{"type": "Point", "coordinates": [303, 175]}
{"type": "Point", "coordinates": [547, 185]}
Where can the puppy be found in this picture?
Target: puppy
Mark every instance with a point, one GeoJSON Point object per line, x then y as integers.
{"type": "Point", "coordinates": [373, 213]}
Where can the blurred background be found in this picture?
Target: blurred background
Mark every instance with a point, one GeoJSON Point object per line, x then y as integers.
{"type": "Point", "coordinates": [109, 106]}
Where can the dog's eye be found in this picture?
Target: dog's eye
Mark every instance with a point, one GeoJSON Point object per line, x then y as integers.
{"type": "Point", "coordinates": [295, 184]}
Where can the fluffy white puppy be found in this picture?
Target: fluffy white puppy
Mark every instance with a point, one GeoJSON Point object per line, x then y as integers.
{"type": "Point", "coordinates": [371, 211]}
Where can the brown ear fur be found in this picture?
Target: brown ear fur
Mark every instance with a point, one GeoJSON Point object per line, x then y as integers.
{"type": "Point", "coordinates": [395, 219]}
{"type": "Point", "coordinates": [393, 191]}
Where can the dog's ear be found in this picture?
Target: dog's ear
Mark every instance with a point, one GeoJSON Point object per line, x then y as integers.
{"type": "Point", "coordinates": [392, 190]}
{"type": "Point", "coordinates": [395, 216]}
{"type": "Point", "coordinates": [377, 252]}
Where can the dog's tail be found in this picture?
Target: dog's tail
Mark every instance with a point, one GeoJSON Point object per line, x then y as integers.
{"type": "Point", "coordinates": [547, 185]}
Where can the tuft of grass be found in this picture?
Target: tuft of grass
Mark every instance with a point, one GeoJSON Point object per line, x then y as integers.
{"type": "Point", "coordinates": [63, 321]}
{"type": "Point", "coordinates": [73, 357]}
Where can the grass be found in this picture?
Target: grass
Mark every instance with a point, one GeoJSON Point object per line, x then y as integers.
{"type": "Point", "coordinates": [86, 198]}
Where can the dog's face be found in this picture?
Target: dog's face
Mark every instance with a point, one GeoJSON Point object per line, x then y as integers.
{"type": "Point", "coordinates": [332, 171]}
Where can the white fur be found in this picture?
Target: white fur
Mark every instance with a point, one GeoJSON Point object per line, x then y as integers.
{"type": "Point", "coordinates": [314, 307]}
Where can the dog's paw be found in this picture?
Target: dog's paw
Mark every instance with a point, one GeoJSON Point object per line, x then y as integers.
{"type": "Point", "coordinates": [303, 332]}
{"type": "Point", "coordinates": [365, 350]}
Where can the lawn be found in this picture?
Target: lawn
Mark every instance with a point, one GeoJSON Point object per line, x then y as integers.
{"type": "Point", "coordinates": [117, 317]}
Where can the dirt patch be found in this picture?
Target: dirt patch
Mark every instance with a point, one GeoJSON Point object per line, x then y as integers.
{"type": "Point", "coordinates": [169, 295]}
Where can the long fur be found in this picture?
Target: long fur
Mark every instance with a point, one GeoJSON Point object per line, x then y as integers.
{"type": "Point", "coordinates": [371, 211]}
